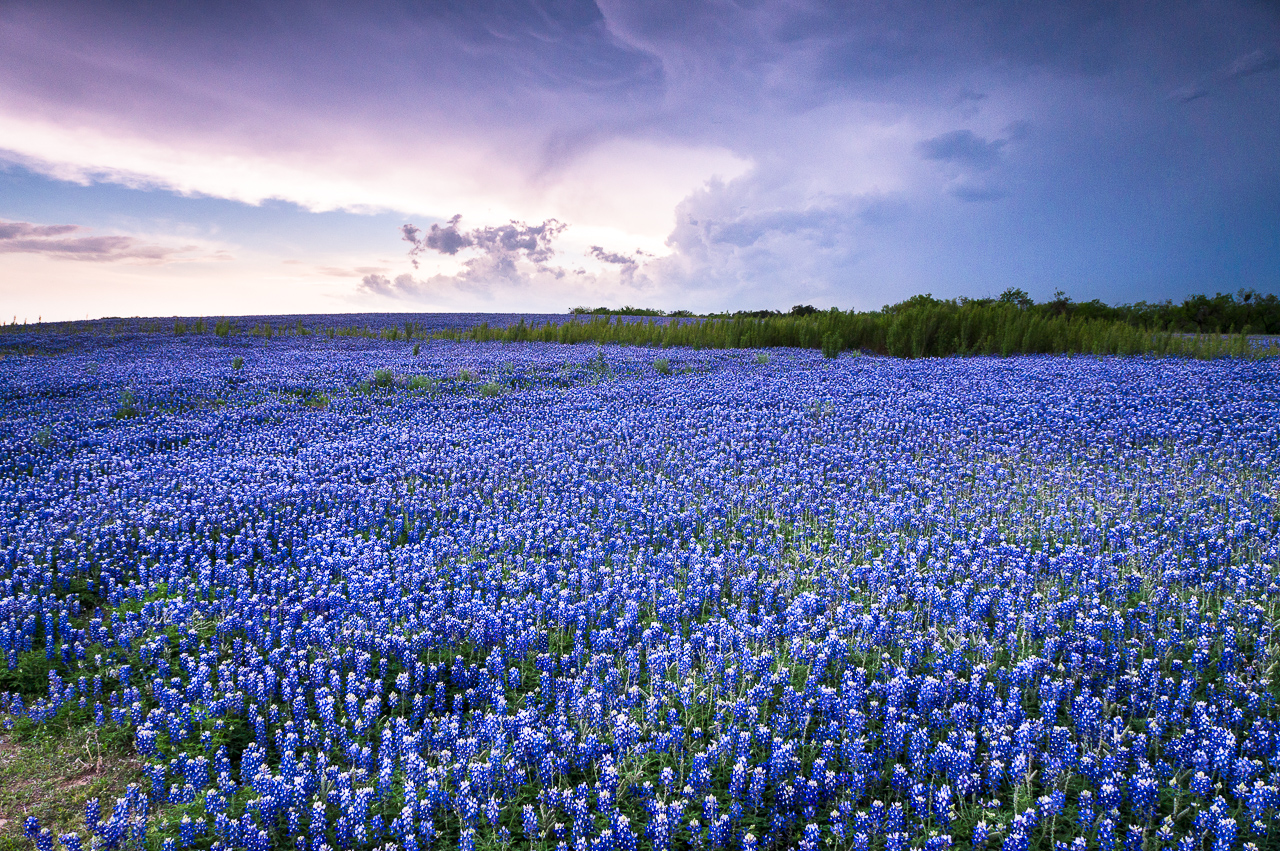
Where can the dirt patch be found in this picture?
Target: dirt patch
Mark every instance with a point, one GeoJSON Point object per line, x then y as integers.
{"type": "Point", "coordinates": [50, 773]}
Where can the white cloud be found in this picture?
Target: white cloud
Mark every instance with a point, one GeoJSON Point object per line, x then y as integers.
{"type": "Point", "coordinates": [620, 191]}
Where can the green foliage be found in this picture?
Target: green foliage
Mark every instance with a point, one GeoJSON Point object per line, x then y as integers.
{"type": "Point", "coordinates": [491, 388]}
{"type": "Point", "coordinates": [625, 311]}
{"type": "Point", "coordinates": [422, 382]}
{"type": "Point", "coordinates": [383, 378]}
{"type": "Point", "coordinates": [466, 375]}
{"type": "Point", "coordinates": [416, 348]}
{"type": "Point", "coordinates": [1015, 295]}
{"type": "Point", "coordinates": [44, 437]}
{"type": "Point", "coordinates": [599, 367]}
{"type": "Point", "coordinates": [128, 407]}
{"type": "Point", "coordinates": [30, 677]}
{"type": "Point", "coordinates": [222, 328]}
{"type": "Point", "coordinates": [237, 363]}
{"type": "Point", "coordinates": [663, 366]}
{"type": "Point", "coordinates": [921, 326]}
{"type": "Point", "coordinates": [762, 357]}
{"type": "Point", "coordinates": [179, 327]}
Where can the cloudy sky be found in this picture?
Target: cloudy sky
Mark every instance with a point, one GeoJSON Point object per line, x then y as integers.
{"type": "Point", "coordinates": [181, 158]}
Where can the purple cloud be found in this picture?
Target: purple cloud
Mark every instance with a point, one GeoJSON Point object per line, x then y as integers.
{"type": "Point", "coordinates": [424, 110]}
{"type": "Point", "coordinates": [963, 147]}
{"type": "Point", "coordinates": [502, 245]}
{"type": "Point", "coordinates": [53, 241]}
{"type": "Point", "coordinates": [514, 255]}
{"type": "Point", "coordinates": [611, 257]}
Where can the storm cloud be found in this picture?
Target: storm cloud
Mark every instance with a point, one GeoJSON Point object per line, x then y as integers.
{"type": "Point", "coordinates": [767, 152]}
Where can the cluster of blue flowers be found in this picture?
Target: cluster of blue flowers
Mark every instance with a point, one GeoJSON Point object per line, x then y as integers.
{"type": "Point", "coordinates": [858, 604]}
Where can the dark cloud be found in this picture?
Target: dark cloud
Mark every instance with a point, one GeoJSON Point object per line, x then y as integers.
{"type": "Point", "coordinates": [53, 241]}
{"type": "Point", "coordinates": [501, 243]}
{"type": "Point", "coordinates": [533, 241]}
{"type": "Point", "coordinates": [627, 266]}
{"type": "Point", "coordinates": [963, 147]}
{"type": "Point", "coordinates": [611, 257]}
{"type": "Point", "coordinates": [447, 240]}
{"type": "Point", "coordinates": [513, 255]}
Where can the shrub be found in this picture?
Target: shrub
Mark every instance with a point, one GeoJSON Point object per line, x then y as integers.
{"type": "Point", "coordinates": [416, 348]}
{"type": "Point", "coordinates": [466, 375]}
{"type": "Point", "coordinates": [223, 328]}
{"type": "Point", "coordinates": [831, 345]}
{"type": "Point", "coordinates": [491, 388]}
{"type": "Point", "coordinates": [663, 366]}
{"type": "Point", "coordinates": [422, 382]}
{"type": "Point", "coordinates": [237, 363]}
{"type": "Point", "coordinates": [762, 357]}
{"type": "Point", "coordinates": [383, 377]}
{"type": "Point", "coordinates": [179, 328]}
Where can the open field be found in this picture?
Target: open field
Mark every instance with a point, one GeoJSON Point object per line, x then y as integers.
{"type": "Point", "coordinates": [317, 592]}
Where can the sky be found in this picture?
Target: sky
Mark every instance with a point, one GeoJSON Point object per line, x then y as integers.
{"type": "Point", "coordinates": [161, 159]}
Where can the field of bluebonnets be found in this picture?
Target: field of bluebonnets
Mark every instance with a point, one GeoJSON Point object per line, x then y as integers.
{"type": "Point", "coordinates": [338, 594]}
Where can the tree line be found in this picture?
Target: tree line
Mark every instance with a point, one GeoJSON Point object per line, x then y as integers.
{"type": "Point", "coordinates": [924, 326]}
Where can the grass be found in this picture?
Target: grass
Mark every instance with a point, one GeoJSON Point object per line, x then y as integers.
{"type": "Point", "coordinates": [919, 327]}
{"type": "Point", "coordinates": [51, 771]}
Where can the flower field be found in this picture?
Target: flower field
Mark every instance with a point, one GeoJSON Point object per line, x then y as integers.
{"type": "Point", "coordinates": [338, 595]}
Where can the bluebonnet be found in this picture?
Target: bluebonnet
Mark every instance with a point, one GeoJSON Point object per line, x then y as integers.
{"type": "Point", "coordinates": [864, 602]}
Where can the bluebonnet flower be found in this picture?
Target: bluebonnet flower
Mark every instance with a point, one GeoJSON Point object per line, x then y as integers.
{"type": "Point", "coordinates": [981, 576]}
